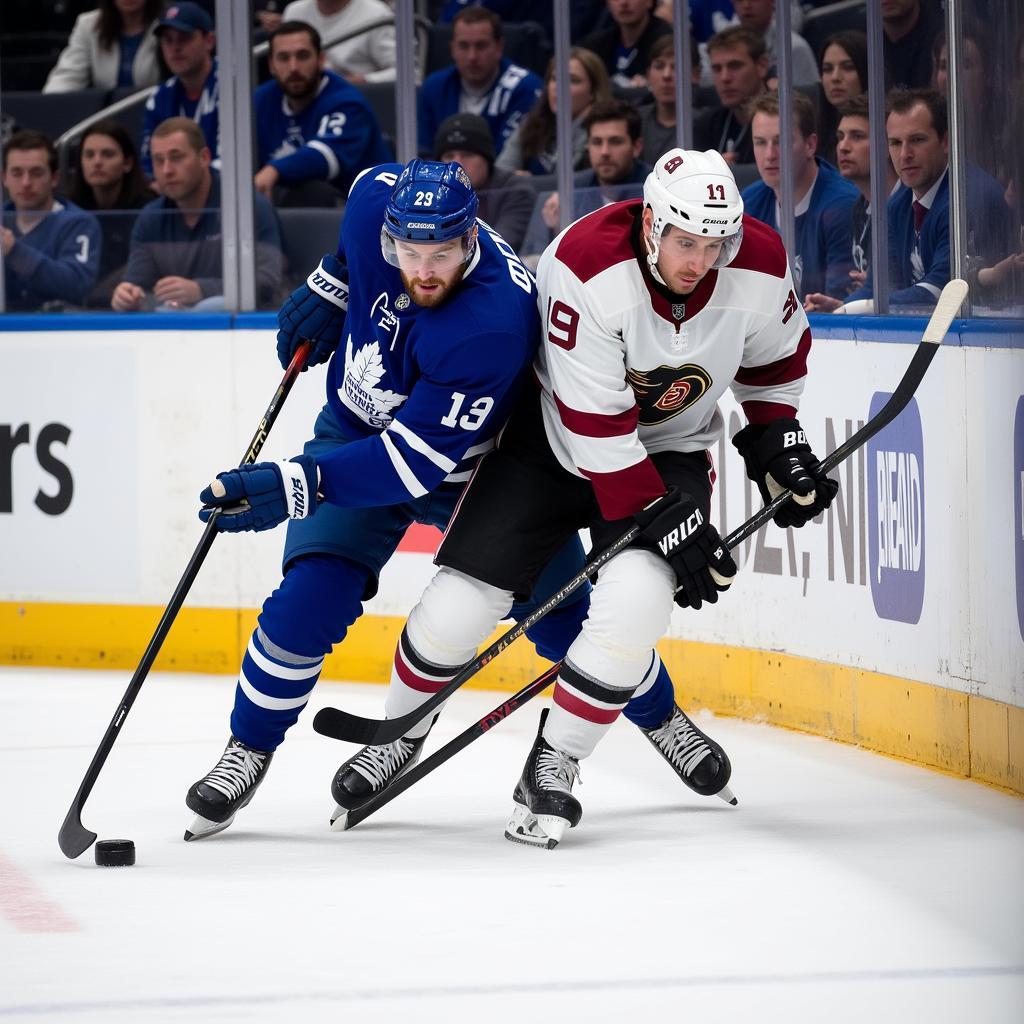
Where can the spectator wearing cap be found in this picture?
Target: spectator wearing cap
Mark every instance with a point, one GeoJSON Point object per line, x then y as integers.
{"type": "Point", "coordinates": [51, 250]}
{"type": "Point", "coordinates": [481, 81]}
{"type": "Point", "coordinates": [314, 131]}
{"type": "Point", "coordinates": [366, 57]}
{"type": "Point", "coordinates": [186, 41]}
{"type": "Point", "coordinates": [506, 198]}
{"type": "Point", "coordinates": [111, 47]}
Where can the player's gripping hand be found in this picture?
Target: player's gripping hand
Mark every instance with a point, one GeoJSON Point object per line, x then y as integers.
{"type": "Point", "coordinates": [778, 459]}
{"type": "Point", "coordinates": [314, 311]}
{"type": "Point", "coordinates": [260, 496]}
{"type": "Point", "coordinates": [676, 529]}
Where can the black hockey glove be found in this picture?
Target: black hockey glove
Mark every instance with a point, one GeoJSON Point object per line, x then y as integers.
{"type": "Point", "coordinates": [676, 529]}
{"type": "Point", "coordinates": [778, 459]}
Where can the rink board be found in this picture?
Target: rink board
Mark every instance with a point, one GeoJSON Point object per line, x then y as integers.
{"type": "Point", "coordinates": [897, 622]}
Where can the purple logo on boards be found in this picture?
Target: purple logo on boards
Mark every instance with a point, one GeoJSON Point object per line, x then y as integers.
{"type": "Point", "coordinates": [895, 473]}
{"type": "Point", "coordinates": [1018, 508]}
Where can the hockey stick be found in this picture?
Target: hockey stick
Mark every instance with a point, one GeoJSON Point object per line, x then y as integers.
{"type": "Point", "coordinates": [452, 747]}
{"type": "Point", "coordinates": [73, 837]}
{"type": "Point", "coordinates": [341, 725]}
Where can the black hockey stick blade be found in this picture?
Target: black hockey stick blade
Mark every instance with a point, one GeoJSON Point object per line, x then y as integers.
{"type": "Point", "coordinates": [341, 725]}
{"type": "Point", "coordinates": [74, 838]}
{"type": "Point", "coordinates": [453, 746]}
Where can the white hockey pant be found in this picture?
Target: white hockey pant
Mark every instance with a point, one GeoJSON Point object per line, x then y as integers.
{"type": "Point", "coordinates": [455, 615]}
{"type": "Point", "coordinates": [612, 659]}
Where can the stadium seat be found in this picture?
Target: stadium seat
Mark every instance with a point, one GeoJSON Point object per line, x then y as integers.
{"type": "Point", "coordinates": [132, 118]}
{"type": "Point", "coordinates": [745, 174]}
{"type": "Point", "coordinates": [822, 22]}
{"type": "Point", "coordinates": [306, 235]}
{"type": "Point", "coordinates": [53, 113]}
{"type": "Point", "coordinates": [381, 97]}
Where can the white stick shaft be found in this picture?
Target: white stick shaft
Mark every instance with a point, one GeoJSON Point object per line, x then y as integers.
{"type": "Point", "coordinates": [946, 309]}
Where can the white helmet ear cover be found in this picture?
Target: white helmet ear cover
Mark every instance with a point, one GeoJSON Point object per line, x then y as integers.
{"type": "Point", "coordinates": [697, 193]}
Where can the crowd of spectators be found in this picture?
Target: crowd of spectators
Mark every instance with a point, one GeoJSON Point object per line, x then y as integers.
{"type": "Point", "coordinates": [136, 223]}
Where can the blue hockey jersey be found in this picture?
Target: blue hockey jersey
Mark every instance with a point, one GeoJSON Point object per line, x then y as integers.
{"type": "Point", "coordinates": [170, 100]}
{"type": "Point", "coordinates": [823, 232]}
{"type": "Point", "coordinates": [919, 264]}
{"type": "Point", "coordinates": [422, 392]}
{"type": "Point", "coordinates": [59, 259]}
{"type": "Point", "coordinates": [513, 94]}
{"type": "Point", "coordinates": [333, 139]}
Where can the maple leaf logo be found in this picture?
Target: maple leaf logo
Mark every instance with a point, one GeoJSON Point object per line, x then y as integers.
{"type": "Point", "coordinates": [363, 372]}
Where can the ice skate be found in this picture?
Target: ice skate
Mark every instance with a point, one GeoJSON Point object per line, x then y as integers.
{"type": "Point", "coordinates": [544, 804]}
{"type": "Point", "coordinates": [219, 796]}
{"type": "Point", "coordinates": [373, 769]}
{"type": "Point", "coordinates": [696, 758]}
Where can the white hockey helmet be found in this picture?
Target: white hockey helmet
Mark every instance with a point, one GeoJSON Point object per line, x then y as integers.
{"type": "Point", "coordinates": [696, 192]}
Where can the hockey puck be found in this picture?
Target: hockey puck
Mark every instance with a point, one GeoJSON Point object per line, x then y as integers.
{"type": "Point", "coordinates": [115, 853]}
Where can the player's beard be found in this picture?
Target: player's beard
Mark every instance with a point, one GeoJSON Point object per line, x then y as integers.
{"type": "Point", "coordinates": [300, 87]}
{"type": "Point", "coordinates": [430, 299]}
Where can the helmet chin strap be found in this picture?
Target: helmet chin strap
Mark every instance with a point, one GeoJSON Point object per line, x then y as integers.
{"type": "Point", "coordinates": [652, 256]}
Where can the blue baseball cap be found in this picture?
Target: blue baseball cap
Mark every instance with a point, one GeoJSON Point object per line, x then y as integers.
{"type": "Point", "coordinates": [186, 17]}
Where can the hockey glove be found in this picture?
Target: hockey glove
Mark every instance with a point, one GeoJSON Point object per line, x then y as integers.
{"type": "Point", "coordinates": [676, 529]}
{"type": "Point", "coordinates": [315, 311]}
{"type": "Point", "coordinates": [260, 496]}
{"type": "Point", "coordinates": [778, 459]}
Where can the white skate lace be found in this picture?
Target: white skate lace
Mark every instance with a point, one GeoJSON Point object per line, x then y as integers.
{"type": "Point", "coordinates": [377, 764]}
{"type": "Point", "coordinates": [556, 770]}
{"type": "Point", "coordinates": [236, 770]}
{"type": "Point", "coordinates": [682, 744]}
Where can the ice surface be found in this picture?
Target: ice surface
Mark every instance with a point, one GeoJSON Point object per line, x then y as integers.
{"type": "Point", "coordinates": [845, 887]}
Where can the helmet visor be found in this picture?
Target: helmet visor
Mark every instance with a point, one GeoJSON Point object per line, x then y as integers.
{"type": "Point", "coordinates": [426, 259]}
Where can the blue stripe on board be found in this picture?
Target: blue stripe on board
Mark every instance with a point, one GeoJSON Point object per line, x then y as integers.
{"type": "Point", "coordinates": [897, 330]}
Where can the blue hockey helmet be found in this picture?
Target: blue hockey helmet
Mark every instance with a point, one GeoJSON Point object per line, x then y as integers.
{"type": "Point", "coordinates": [431, 202]}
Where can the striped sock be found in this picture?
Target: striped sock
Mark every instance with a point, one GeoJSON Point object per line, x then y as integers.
{"type": "Point", "coordinates": [274, 686]}
{"type": "Point", "coordinates": [413, 680]}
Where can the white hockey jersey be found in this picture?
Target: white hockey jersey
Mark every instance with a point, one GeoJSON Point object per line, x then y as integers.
{"type": "Point", "coordinates": [625, 371]}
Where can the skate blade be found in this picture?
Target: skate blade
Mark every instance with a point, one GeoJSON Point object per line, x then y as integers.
{"type": "Point", "coordinates": [725, 793]}
{"type": "Point", "coordinates": [339, 818]}
{"type": "Point", "coordinates": [202, 827]}
{"type": "Point", "coordinates": [544, 830]}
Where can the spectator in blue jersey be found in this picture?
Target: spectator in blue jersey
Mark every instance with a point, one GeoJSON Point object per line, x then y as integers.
{"type": "Point", "coordinates": [51, 249]}
{"type": "Point", "coordinates": [481, 81]}
{"type": "Point", "coordinates": [853, 151]}
{"type": "Point", "coordinates": [823, 201]}
{"type": "Point", "coordinates": [175, 259]}
{"type": "Point", "coordinates": [314, 131]}
{"type": "Point", "coordinates": [109, 181]}
{"type": "Point", "coordinates": [506, 199]}
{"type": "Point", "coordinates": [614, 143]}
{"type": "Point", "coordinates": [917, 126]}
{"type": "Point", "coordinates": [187, 41]}
{"type": "Point", "coordinates": [625, 48]}
{"type": "Point", "coordinates": [111, 47]}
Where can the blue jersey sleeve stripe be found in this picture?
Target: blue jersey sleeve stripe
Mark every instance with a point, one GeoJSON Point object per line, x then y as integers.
{"type": "Point", "coordinates": [405, 474]}
{"type": "Point", "coordinates": [333, 167]}
{"type": "Point", "coordinates": [417, 444]}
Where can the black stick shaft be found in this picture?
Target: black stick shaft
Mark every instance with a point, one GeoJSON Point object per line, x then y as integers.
{"type": "Point", "coordinates": [74, 838]}
{"type": "Point", "coordinates": [453, 746]}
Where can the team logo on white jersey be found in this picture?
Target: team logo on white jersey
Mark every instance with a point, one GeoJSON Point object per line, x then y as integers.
{"type": "Point", "coordinates": [359, 391]}
{"type": "Point", "coordinates": [667, 390]}
{"type": "Point", "coordinates": [679, 310]}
